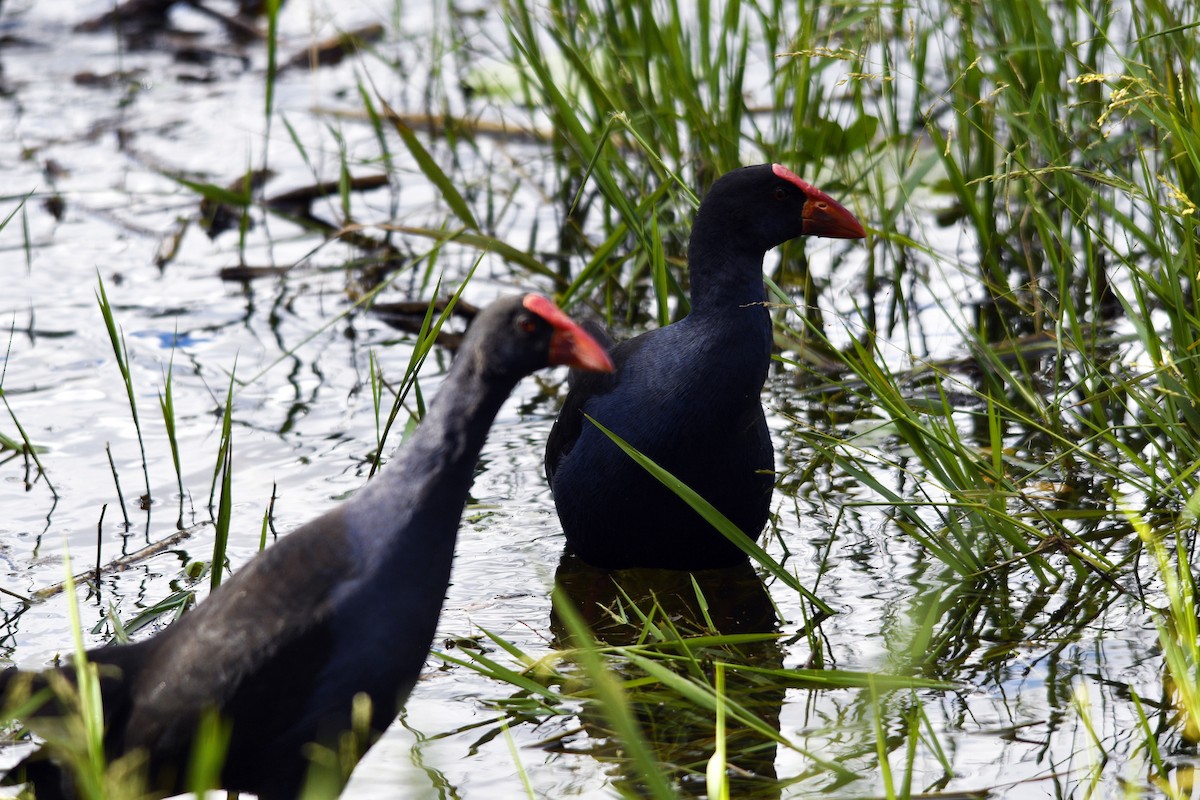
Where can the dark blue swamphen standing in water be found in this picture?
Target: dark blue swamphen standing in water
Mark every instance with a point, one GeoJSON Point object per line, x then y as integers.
{"type": "Point", "coordinates": [344, 606]}
{"type": "Point", "coordinates": [687, 395]}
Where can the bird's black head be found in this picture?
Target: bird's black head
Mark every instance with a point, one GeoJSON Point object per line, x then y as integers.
{"type": "Point", "coordinates": [514, 336]}
{"type": "Point", "coordinates": [766, 205]}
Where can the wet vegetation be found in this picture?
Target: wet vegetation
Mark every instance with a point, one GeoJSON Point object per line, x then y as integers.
{"type": "Point", "coordinates": [978, 581]}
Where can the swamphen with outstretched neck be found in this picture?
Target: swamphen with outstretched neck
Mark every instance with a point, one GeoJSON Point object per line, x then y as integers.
{"type": "Point", "coordinates": [687, 395]}
{"type": "Point", "coordinates": [344, 607]}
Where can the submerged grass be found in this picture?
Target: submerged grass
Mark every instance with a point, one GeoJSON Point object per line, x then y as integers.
{"type": "Point", "coordinates": [706, 702]}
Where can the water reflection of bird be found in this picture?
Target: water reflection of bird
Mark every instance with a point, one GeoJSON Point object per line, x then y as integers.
{"type": "Point", "coordinates": [649, 607]}
{"type": "Point", "coordinates": [341, 610]}
{"type": "Point", "coordinates": [734, 599]}
{"type": "Point", "coordinates": [687, 395]}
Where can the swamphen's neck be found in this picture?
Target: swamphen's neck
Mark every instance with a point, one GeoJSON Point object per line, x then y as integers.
{"type": "Point", "coordinates": [725, 274]}
{"type": "Point", "coordinates": [436, 461]}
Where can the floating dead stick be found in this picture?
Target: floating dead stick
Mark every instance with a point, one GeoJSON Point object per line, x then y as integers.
{"type": "Point", "coordinates": [334, 50]}
{"type": "Point", "coordinates": [298, 201]}
{"type": "Point", "coordinates": [217, 217]}
{"type": "Point", "coordinates": [138, 15]}
{"type": "Point", "coordinates": [248, 273]}
{"type": "Point", "coordinates": [409, 316]}
{"type": "Point", "coordinates": [150, 16]}
{"type": "Point", "coordinates": [124, 562]}
{"type": "Point", "coordinates": [296, 205]}
{"type": "Point", "coordinates": [437, 123]}
{"type": "Point", "coordinates": [242, 26]}
{"type": "Point", "coordinates": [389, 256]}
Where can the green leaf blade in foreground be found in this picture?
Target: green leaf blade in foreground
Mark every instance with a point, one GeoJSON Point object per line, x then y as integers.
{"type": "Point", "coordinates": [611, 698]}
{"type": "Point", "coordinates": [717, 520]}
{"type": "Point", "coordinates": [429, 166]}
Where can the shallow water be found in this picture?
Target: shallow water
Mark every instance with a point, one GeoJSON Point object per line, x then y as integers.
{"type": "Point", "coordinates": [304, 428]}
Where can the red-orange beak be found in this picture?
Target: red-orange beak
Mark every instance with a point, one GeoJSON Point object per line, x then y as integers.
{"type": "Point", "coordinates": [822, 215]}
{"type": "Point", "coordinates": [570, 344]}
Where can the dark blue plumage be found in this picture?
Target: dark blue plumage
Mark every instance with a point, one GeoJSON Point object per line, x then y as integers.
{"type": "Point", "coordinates": [345, 605]}
{"type": "Point", "coordinates": [687, 395]}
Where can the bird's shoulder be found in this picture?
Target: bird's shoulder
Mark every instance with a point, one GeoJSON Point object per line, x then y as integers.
{"type": "Point", "coordinates": [635, 361]}
{"type": "Point", "coordinates": [280, 602]}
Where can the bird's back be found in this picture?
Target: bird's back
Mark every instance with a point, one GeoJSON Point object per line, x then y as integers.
{"type": "Point", "coordinates": [686, 396]}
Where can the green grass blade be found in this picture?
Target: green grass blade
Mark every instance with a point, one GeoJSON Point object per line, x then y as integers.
{"type": "Point", "coordinates": [717, 520]}
{"type": "Point", "coordinates": [433, 172]}
{"type": "Point", "coordinates": [121, 353]}
{"type": "Point", "coordinates": [611, 699]}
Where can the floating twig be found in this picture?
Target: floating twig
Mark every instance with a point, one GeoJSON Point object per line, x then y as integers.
{"type": "Point", "coordinates": [118, 564]}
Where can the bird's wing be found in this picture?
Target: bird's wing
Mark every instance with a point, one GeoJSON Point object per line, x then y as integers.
{"type": "Point", "coordinates": [586, 386]}
{"type": "Point", "coordinates": [250, 648]}
{"type": "Point", "coordinates": [118, 667]}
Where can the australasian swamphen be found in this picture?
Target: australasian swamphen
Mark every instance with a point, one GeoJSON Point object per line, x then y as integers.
{"type": "Point", "coordinates": [687, 395]}
{"type": "Point", "coordinates": [346, 605]}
